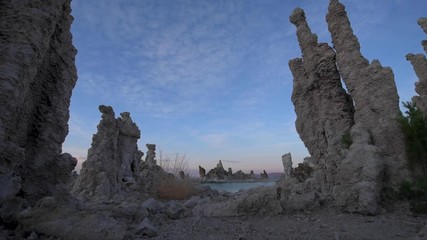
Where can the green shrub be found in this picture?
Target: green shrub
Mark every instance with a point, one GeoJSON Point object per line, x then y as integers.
{"type": "Point", "coordinates": [414, 127]}
{"type": "Point", "coordinates": [346, 140]}
{"type": "Point", "coordinates": [416, 193]}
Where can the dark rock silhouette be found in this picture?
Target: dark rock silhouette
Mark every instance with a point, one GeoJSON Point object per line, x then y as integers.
{"type": "Point", "coordinates": [37, 77]}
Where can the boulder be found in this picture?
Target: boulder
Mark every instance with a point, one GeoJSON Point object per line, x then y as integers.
{"type": "Point", "coordinates": [260, 201]}
{"type": "Point", "coordinates": [152, 205]}
{"type": "Point", "coordinates": [146, 228]}
{"type": "Point", "coordinates": [174, 210]}
{"type": "Point", "coordinates": [192, 202]}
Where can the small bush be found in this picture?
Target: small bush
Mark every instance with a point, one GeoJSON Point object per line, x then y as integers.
{"type": "Point", "coordinates": [414, 127]}
{"type": "Point", "coordinates": [346, 140]}
{"type": "Point", "coordinates": [176, 189]}
{"type": "Point", "coordinates": [416, 193]}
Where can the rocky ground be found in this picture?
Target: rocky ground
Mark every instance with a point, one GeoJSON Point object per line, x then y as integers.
{"type": "Point", "coordinates": [316, 225]}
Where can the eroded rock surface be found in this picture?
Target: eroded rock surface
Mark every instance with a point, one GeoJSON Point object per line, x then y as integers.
{"type": "Point", "coordinates": [37, 75]}
{"type": "Point", "coordinates": [373, 90]}
{"type": "Point", "coordinates": [113, 158]}
{"type": "Point", "coordinates": [423, 24]}
{"type": "Point", "coordinates": [353, 156]}
{"type": "Point", "coordinates": [419, 63]}
{"type": "Point", "coordinates": [324, 109]}
{"type": "Point", "coordinates": [287, 165]}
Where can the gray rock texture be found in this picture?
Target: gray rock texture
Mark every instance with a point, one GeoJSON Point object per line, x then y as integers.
{"type": "Point", "coordinates": [112, 160]}
{"type": "Point", "coordinates": [324, 109]}
{"type": "Point", "coordinates": [217, 173]}
{"type": "Point", "coordinates": [423, 24]}
{"type": "Point", "coordinates": [356, 145]}
{"type": "Point", "coordinates": [70, 221]}
{"type": "Point", "coordinates": [373, 90]}
{"type": "Point", "coordinates": [255, 201]}
{"type": "Point", "coordinates": [37, 75]}
{"type": "Point", "coordinates": [287, 165]}
{"type": "Point", "coordinates": [146, 229]}
{"type": "Point", "coordinates": [151, 174]}
{"type": "Point", "coordinates": [150, 158]}
{"type": "Point", "coordinates": [419, 64]}
{"type": "Point", "coordinates": [202, 172]}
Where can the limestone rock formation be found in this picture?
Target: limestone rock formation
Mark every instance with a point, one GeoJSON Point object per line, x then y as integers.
{"type": "Point", "coordinates": [127, 146]}
{"type": "Point", "coordinates": [202, 172]}
{"type": "Point", "coordinates": [240, 175]}
{"type": "Point", "coordinates": [419, 63]}
{"type": "Point", "coordinates": [352, 156]}
{"type": "Point", "coordinates": [150, 158]}
{"type": "Point", "coordinates": [37, 75]}
{"type": "Point", "coordinates": [263, 175]}
{"type": "Point", "coordinates": [112, 159]}
{"type": "Point", "coordinates": [217, 173]}
{"type": "Point", "coordinates": [373, 90]}
{"type": "Point", "coordinates": [287, 165]}
{"type": "Point", "coordinates": [324, 109]}
{"type": "Point", "coordinates": [423, 24]}
{"type": "Point", "coordinates": [151, 174]}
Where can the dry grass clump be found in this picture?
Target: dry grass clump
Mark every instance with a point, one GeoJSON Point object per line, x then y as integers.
{"type": "Point", "coordinates": [176, 189]}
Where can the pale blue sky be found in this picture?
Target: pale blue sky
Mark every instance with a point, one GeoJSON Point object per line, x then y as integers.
{"type": "Point", "coordinates": [210, 78]}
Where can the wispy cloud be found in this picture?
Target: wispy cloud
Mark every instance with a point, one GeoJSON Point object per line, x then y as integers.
{"type": "Point", "coordinates": [184, 55]}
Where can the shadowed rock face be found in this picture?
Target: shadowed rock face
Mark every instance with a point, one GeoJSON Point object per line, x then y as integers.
{"type": "Point", "coordinates": [113, 160]}
{"type": "Point", "coordinates": [419, 63]}
{"type": "Point", "coordinates": [324, 109]}
{"type": "Point", "coordinates": [37, 75]}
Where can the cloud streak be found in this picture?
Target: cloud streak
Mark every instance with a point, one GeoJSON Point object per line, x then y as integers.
{"type": "Point", "coordinates": [185, 55]}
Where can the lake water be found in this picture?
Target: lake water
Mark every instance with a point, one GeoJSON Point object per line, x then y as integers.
{"type": "Point", "coordinates": [236, 186]}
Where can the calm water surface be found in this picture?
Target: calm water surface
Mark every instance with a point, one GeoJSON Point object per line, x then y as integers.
{"type": "Point", "coordinates": [236, 186]}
